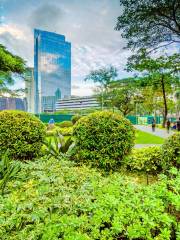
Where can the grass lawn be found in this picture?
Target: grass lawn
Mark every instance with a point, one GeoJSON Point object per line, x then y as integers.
{"type": "Point", "coordinates": [141, 138]}
{"type": "Point", "coordinates": [147, 138]}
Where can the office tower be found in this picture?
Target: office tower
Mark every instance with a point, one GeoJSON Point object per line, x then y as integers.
{"type": "Point", "coordinates": [52, 69]}
{"type": "Point", "coordinates": [29, 89]}
{"type": "Point", "coordinates": [9, 103]}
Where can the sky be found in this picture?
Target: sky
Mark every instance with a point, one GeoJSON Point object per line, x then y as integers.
{"type": "Point", "coordinates": [87, 24]}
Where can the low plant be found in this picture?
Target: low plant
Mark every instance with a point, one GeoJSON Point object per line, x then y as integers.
{"type": "Point", "coordinates": [75, 118]}
{"type": "Point", "coordinates": [146, 159]}
{"type": "Point", "coordinates": [66, 131]}
{"type": "Point", "coordinates": [57, 146]}
{"type": "Point", "coordinates": [52, 132]}
{"type": "Point", "coordinates": [8, 171]}
{"type": "Point", "coordinates": [64, 124]}
{"type": "Point", "coordinates": [171, 152]}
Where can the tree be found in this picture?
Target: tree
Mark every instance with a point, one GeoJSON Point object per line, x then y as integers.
{"type": "Point", "coordinates": [160, 73]}
{"type": "Point", "coordinates": [122, 95]}
{"type": "Point", "coordinates": [149, 23]}
{"type": "Point", "coordinates": [9, 64]}
{"type": "Point", "coordinates": [103, 76]}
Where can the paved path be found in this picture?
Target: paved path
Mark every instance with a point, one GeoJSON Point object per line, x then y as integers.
{"type": "Point", "coordinates": [158, 132]}
{"type": "Point", "coordinates": [146, 145]}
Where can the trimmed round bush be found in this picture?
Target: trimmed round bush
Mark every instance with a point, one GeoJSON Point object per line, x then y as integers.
{"type": "Point", "coordinates": [171, 151]}
{"type": "Point", "coordinates": [103, 139]}
{"type": "Point", "coordinates": [75, 118]}
{"type": "Point", "coordinates": [21, 134]}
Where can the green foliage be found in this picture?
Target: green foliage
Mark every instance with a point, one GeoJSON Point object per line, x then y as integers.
{"type": "Point", "coordinates": [102, 76]}
{"type": "Point", "coordinates": [122, 95]}
{"type": "Point", "coordinates": [103, 139]}
{"type": "Point", "coordinates": [66, 131]}
{"type": "Point", "coordinates": [146, 159]}
{"type": "Point", "coordinates": [75, 118]}
{"type": "Point", "coordinates": [64, 124]}
{"type": "Point", "coordinates": [149, 23]}
{"type": "Point", "coordinates": [53, 199]}
{"type": "Point", "coordinates": [8, 171]}
{"type": "Point", "coordinates": [161, 73]}
{"type": "Point", "coordinates": [21, 134]}
{"type": "Point", "coordinates": [58, 146]}
{"type": "Point", "coordinates": [171, 151]}
{"type": "Point", "coordinates": [9, 64]}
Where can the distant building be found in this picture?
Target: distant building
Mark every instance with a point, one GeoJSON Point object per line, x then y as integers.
{"type": "Point", "coordinates": [29, 89]}
{"type": "Point", "coordinates": [52, 69]}
{"type": "Point", "coordinates": [76, 103]}
{"type": "Point", "coordinates": [8, 103]}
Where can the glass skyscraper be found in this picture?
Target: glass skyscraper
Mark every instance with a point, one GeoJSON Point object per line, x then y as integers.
{"type": "Point", "coordinates": [52, 69]}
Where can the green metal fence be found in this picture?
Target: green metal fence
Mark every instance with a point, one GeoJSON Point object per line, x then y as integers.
{"type": "Point", "coordinates": [57, 117]}
{"type": "Point", "coordinates": [141, 120]}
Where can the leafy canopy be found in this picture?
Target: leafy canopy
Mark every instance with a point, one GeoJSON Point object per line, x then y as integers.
{"type": "Point", "coordinates": [103, 76]}
{"type": "Point", "coordinates": [9, 64]}
{"type": "Point", "coordinates": [161, 73]}
{"type": "Point", "coordinates": [122, 94]}
{"type": "Point", "coordinates": [149, 23]}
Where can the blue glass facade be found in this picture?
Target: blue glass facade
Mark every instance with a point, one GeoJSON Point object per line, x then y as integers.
{"type": "Point", "coordinates": [52, 69]}
{"type": "Point", "coordinates": [12, 104]}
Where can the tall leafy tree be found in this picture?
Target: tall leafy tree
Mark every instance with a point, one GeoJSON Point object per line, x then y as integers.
{"type": "Point", "coordinates": [149, 23]}
{"type": "Point", "coordinates": [161, 73]}
{"type": "Point", "coordinates": [103, 77]}
{"type": "Point", "coordinates": [9, 64]}
{"type": "Point", "coordinates": [122, 95]}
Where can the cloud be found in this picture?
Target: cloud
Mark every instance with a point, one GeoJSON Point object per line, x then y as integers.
{"type": "Point", "coordinates": [91, 57]}
{"type": "Point", "coordinates": [46, 16]}
{"type": "Point", "coordinates": [17, 40]}
{"type": "Point", "coordinates": [12, 30]}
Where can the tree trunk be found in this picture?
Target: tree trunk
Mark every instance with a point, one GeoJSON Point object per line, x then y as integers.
{"type": "Point", "coordinates": [165, 102]}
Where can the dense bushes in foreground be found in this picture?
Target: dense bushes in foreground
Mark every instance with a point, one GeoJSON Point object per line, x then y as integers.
{"type": "Point", "coordinates": [55, 200]}
{"type": "Point", "coordinates": [148, 159]}
{"type": "Point", "coordinates": [103, 139]}
{"type": "Point", "coordinates": [155, 159]}
{"type": "Point", "coordinates": [21, 134]}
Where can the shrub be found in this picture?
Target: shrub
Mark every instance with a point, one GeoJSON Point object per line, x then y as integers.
{"type": "Point", "coordinates": [51, 132]}
{"type": "Point", "coordinates": [66, 131]}
{"type": "Point", "coordinates": [171, 152]}
{"type": "Point", "coordinates": [146, 159]}
{"type": "Point", "coordinates": [21, 133]}
{"type": "Point", "coordinates": [51, 199]}
{"type": "Point", "coordinates": [64, 124]}
{"type": "Point", "coordinates": [75, 118]}
{"type": "Point", "coordinates": [103, 139]}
